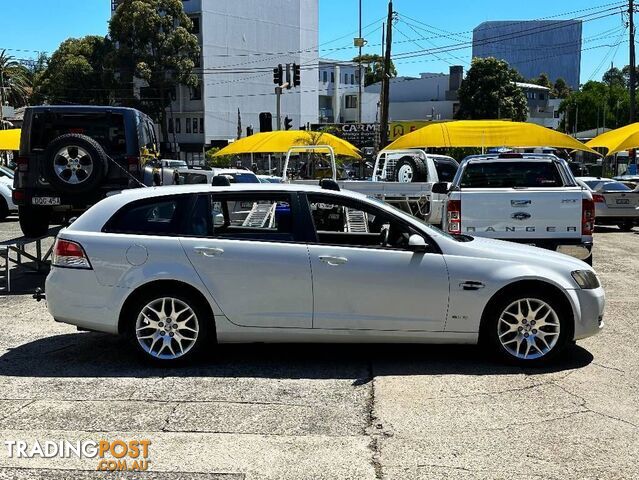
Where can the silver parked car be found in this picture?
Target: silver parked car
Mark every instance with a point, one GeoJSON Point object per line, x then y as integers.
{"type": "Point", "coordinates": [176, 269]}
{"type": "Point", "coordinates": [615, 202]}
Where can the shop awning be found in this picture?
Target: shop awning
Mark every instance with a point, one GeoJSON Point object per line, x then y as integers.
{"type": "Point", "coordinates": [618, 140]}
{"type": "Point", "coordinates": [486, 134]}
{"type": "Point", "coordinates": [10, 139]}
{"type": "Point", "coordinates": [282, 141]}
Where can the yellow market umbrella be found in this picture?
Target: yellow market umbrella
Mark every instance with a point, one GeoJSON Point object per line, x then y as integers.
{"type": "Point", "coordinates": [10, 139]}
{"type": "Point", "coordinates": [281, 141]}
{"type": "Point", "coordinates": [618, 140]}
{"type": "Point", "coordinates": [486, 133]}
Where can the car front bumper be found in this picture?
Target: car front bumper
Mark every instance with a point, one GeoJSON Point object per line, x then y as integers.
{"type": "Point", "coordinates": [589, 310]}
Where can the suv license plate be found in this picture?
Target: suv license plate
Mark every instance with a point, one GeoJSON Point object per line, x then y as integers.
{"type": "Point", "coordinates": [623, 201]}
{"type": "Point", "coordinates": [45, 201]}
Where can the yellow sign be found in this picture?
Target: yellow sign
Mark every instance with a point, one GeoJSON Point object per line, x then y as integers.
{"type": "Point", "coordinates": [397, 129]}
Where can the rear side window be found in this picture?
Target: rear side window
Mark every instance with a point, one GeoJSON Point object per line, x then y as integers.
{"type": "Point", "coordinates": [105, 128]}
{"type": "Point", "coordinates": [608, 186]}
{"type": "Point", "coordinates": [149, 217]}
{"type": "Point", "coordinates": [445, 170]}
{"type": "Point", "coordinates": [502, 174]}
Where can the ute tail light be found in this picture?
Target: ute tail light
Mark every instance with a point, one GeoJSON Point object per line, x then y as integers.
{"type": "Point", "coordinates": [68, 254]}
{"type": "Point", "coordinates": [23, 164]}
{"type": "Point", "coordinates": [453, 216]}
{"type": "Point", "coordinates": [587, 216]}
{"type": "Point", "coordinates": [598, 198]}
{"type": "Point", "coordinates": [18, 196]}
{"type": "Point", "coordinates": [133, 162]}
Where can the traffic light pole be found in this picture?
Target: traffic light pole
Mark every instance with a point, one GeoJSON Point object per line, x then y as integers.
{"type": "Point", "coordinates": [633, 79]}
{"type": "Point", "coordinates": [278, 107]}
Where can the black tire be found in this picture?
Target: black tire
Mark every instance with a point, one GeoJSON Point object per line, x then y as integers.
{"type": "Point", "coordinates": [417, 169]}
{"type": "Point", "coordinates": [4, 209]}
{"type": "Point", "coordinates": [202, 321]}
{"type": "Point", "coordinates": [589, 260]}
{"type": "Point", "coordinates": [492, 328]}
{"type": "Point", "coordinates": [626, 226]}
{"type": "Point", "coordinates": [87, 163]}
{"type": "Point", "coordinates": [34, 221]}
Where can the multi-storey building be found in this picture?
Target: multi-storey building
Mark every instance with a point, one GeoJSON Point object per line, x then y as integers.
{"type": "Point", "coordinates": [534, 47]}
{"type": "Point", "coordinates": [241, 43]}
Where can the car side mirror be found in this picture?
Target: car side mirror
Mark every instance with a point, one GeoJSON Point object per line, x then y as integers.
{"type": "Point", "coordinates": [441, 187]}
{"type": "Point", "coordinates": [417, 244]}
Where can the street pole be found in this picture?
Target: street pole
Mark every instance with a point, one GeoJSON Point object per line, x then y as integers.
{"type": "Point", "coordinates": [633, 100]}
{"type": "Point", "coordinates": [359, 96]}
{"type": "Point", "coordinates": [278, 108]}
{"type": "Point", "coordinates": [386, 78]}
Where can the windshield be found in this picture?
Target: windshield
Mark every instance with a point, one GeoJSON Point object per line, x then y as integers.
{"type": "Point", "coordinates": [608, 186]}
{"type": "Point", "coordinates": [503, 174]}
{"type": "Point", "coordinates": [445, 170]}
{"type": "Point", "coordinates": [243, 178]}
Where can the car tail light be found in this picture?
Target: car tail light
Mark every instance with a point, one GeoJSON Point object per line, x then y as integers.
{"type": "Point", "coordinates": [133, 162]}
{"type": "Point", "coordinates": [18, 196]}
{"type": "Point", "coordinates": [453, 216]}
{"type": "Point", "coordinates": [69, 254]}
{"type": "Point", "coordinates": [598, 198]}
{"type": "Point", "coordinates": [23, 164]}
{"type": "Point", "coordinates": [587, 216]}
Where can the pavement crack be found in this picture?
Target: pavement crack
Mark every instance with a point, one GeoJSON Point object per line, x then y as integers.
{"type": "Point", "coordinates": [372, 429]}
{"type": "Point", "coordinates": [584, 405]}
{"type": "Point", "coordinates": [167, 420]}
{"type": "Point", "coordinates": [17, 410]}
{"type": "Point", "coordinates": [608, 367]}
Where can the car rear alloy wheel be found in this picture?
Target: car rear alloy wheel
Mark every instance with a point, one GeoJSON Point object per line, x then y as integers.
{"type": "Point", "coordinates": [528, 329]}
{"type": "Point", "coordinates": [73, 164]}
{"type": "Point", "coordinates": [167, 328]}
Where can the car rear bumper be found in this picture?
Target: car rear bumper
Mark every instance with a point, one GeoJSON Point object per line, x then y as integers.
{"type": "Point", "coordinates": [74, 296]}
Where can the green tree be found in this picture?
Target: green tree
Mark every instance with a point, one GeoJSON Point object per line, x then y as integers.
{"type": "Point", "coordinates": [224, 161]}
{"type": "Point", "coordinates": [154, 44]}
{"type": "Point", "coordinates": [15, 87]}
{"type": "Point", "coordinates": [489, 92]}
{"type": "Point", "coordinates": [78, 72]}
{"type": "Point", "coordinates": [373, 66]}
{"type": "Point", "coordinates": [543, 81]}
{"type": "Point", "coordinates": [561, 88]}
{"type": "Point", "coordinates": [626, 74]}
{"type": "Point", "coordinates": [596, 104]}
{"type": "Point", "coordinates": [614, 76]}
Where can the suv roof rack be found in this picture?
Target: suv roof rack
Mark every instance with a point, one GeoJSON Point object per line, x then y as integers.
{"type": "Point", "coordinates": [329, 184]}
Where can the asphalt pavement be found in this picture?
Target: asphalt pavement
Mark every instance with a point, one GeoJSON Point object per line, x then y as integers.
{"type": "Point", "coordinates": [328, 411]}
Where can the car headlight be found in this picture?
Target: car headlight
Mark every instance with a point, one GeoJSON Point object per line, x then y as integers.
{"type": "Point", "coordinates": [586, 279]}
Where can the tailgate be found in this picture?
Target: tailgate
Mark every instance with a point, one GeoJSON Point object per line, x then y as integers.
{"type": "Point", "coordinates": [520, 214]}
{"type": "Point", "coordinates": [621, 200]}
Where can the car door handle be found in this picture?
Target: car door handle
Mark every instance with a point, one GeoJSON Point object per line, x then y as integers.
{"type": "Point", "coordinates": [334, 261]}
{"type": "Point", "coordinates": [209, 251]}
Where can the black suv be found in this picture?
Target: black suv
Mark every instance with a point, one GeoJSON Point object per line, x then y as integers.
{"type": "Point", "coordinates": [72, 156]}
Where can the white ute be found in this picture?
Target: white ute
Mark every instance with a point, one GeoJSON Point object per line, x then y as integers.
{"type": "Point", "coordinates": [524, 198]}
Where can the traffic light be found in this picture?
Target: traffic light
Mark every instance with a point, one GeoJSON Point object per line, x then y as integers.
{"type": "Point", "coordinates": [266, 122]}
{"type": "Point", "coordinates": [249, 130]}
{"type": "Point", "coordinates": [288, 123]}
{"type": "Point", "coordinates": [297, 75]}
{"type": "Point", "coordinates": [278, 73]}
{"type": "Point", "coordinates": [289, 83]}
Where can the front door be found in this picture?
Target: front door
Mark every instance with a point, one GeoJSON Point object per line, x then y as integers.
{"type": "Point", "coordinates": [243, 246]}
{"type": "Point", "coordinates": [365, 278]}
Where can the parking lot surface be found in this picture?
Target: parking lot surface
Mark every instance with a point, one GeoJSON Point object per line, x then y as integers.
{"type": "Point", "coordinates": [328, 411]}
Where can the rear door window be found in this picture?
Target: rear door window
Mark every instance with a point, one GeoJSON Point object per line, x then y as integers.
{"type": "Point", "coordinates": [159, 216]}
{"type": "Point", "coordinates": [504, 174]}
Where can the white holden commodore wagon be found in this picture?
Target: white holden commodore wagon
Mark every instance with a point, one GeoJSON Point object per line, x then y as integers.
{"type": "Point", "coordinates": [176, 269]}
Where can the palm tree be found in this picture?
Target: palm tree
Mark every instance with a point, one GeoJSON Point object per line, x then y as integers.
{"type": "Point", "coordinates": [15, 86]}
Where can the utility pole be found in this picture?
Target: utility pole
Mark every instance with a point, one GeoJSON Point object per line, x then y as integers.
{"type": "Point", "coordinates": [360, 42]}
{"type": "Point", "coordinates": [386, 77]}
{"type": "Point", "coordinates": [633, 101]}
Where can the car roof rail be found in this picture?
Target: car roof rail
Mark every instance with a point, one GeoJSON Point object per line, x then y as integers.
{"type": "Point", "coordinates": [329, 184]}
{"type": "Point", "coordinates": [221, 181]}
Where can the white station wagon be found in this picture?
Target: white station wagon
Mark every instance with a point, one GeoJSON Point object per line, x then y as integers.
{"type": "Point", "coordinates": [177, 269]}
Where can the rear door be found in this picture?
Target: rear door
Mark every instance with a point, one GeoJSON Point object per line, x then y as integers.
{"type": "Point", "coordinates": [519, 200]}
{"type": "Point", "coordinates": [248, 251]}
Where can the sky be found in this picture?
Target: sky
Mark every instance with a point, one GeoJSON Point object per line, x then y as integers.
{"type": "Point", "coordinates": [40, 25]}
